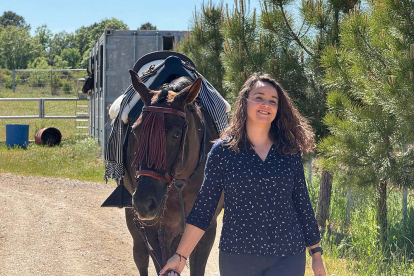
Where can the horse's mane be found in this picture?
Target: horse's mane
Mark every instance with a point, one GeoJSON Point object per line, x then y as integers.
{"type": "Point", "coordinates": [177, 85]}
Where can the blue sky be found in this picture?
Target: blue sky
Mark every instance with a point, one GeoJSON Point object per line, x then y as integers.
{"type": "Point", "coordinates": [73, 14]}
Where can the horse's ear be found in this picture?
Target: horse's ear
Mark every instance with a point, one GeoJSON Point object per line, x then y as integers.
{"type": "Point", "coordinates": [89, 73]}
{"type": "Point", "coordinates": [145, 93]}
{"type": "Point", "coordinates": [188, 94]}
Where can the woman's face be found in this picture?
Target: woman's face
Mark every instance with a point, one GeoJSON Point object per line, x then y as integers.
{"type": "Point", "coordinates": [262, 104]}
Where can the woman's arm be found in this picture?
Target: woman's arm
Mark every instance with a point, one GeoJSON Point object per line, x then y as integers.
{"type": "Point", "coordinates": [306, 214]}
{"type": "Point", "coordinates": [203, 210]}
{"type": "Point", "coordinates": [302, 203]}
{"type": "Point", "coordinates": [191, 237]}
{"type": "Point", "coordinates": [317, 263]}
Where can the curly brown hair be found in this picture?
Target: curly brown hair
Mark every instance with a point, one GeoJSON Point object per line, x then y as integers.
{"type": "Point", "coordinates": [289, 131]}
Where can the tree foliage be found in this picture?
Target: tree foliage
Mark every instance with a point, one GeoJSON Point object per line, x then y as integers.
{"type": "Point", "coordinates": [19, 50]}
{"type": "Point", "coordinates": [44, 36]}
{"type": "Point", "coordinates": [147, 26]}
{"type": "Point", "coordinates": [371, 78]}
{"type": "Point", "coordinates": [59, 42]}
{"type": "Point", "coordinates": [243, 46]}
{"type": "Point", "coordinates": [204, 44]}
{"type": "Point", "coordinates": [17, 47]}
{"type": "Point", "coordinates": [86, 37]}
{"type": "Point", "coordinates": [10, 18]}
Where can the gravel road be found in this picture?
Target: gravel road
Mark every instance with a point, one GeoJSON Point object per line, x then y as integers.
{"type": "Point", "coordinates": [53, 226]}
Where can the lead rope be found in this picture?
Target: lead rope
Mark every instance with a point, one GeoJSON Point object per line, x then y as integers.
{"type": "Point", "coordinates": [141, 229]}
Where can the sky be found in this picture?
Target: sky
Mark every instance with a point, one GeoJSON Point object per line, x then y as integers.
{"type": "Point", "coordinates": [172, 15]}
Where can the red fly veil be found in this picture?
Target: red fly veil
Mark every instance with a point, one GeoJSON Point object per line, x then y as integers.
{"type": "Point", "coordinates": [151, 142]}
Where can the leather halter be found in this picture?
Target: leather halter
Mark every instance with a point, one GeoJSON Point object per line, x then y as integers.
{"type": "Point", "coordinates": [165, 177]}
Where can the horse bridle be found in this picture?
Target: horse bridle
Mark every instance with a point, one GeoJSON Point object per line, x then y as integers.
{"type": "Point", "coordinates": [166, 177]}
{"type": "Point", "coordinates": [170, 179]}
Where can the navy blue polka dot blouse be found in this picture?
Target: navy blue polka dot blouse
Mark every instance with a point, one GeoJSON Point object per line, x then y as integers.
{"type": "Point", "coordinates": [267, 210]}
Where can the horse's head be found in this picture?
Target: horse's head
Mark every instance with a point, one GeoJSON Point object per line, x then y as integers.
{"type": "Point", "coordinates": [88, 85]}
{"type": "Point", "coordinates": [160, 133]}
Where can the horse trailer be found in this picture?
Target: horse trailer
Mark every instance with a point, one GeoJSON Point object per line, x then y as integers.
{"type": "Point", "coordinates": [115, 52]}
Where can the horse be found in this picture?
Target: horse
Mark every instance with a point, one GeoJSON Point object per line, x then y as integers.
{"type": "Point", "coordinates": [88, 85]}
{"type": "Point", "coordinates": [166, 148]}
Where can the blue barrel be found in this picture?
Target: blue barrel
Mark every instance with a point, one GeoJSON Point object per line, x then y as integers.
{"type": "Point", "coordinates": [17, 135]}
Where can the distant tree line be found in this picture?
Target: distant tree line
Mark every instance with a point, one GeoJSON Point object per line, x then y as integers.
{"type": "Point", "coordinates": [45, 50]}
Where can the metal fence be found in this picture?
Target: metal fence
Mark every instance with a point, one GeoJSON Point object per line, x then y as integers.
{"type": "Point", "coordinates": [41, 114]}
{"type": "Point", "coordinates": [42, 82]}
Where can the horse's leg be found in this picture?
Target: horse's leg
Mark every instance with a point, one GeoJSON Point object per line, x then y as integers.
{"type": "Point", "coordinates": [141, 256]}
{"type": "Point", "coordinates": [198, 258]}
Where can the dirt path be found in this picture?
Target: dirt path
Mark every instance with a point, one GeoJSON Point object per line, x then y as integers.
{"type": "Point", "coordinates": [51, 226]}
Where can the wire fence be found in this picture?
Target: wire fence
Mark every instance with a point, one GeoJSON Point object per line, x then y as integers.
{"type": "Point", "coordinates": [42, 82]}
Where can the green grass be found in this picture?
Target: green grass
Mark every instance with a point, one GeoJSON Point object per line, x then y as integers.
{"type": "Point", "coordinates": [74, 159]}
{"type": "Point", "coordinates": [20, 108]}
{"type": "Point", "coordinates": [354, 249]}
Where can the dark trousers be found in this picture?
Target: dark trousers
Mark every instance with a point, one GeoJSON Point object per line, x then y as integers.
{"type": "Point", "coordinates": [246, 264]}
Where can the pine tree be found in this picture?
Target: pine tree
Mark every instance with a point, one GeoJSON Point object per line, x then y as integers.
{"type": "Point", "coordinates": [371, 115]}
{"type": "Point", "coordinates": [204, 44]}
{"type": "Point", "coordinates": [319, 28]}
{"type": "Point", "coordinates": [243, 46]}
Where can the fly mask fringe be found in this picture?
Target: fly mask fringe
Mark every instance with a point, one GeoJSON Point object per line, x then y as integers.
{"type": "Point", "coordinates": [157, 144]}
{"type": "Point", "coordinates": [151, 142]}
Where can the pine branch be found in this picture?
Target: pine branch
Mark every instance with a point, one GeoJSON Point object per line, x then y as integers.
{"type": "Point", "coordinates": [246, 48]}
{"type": "Point", "coordinates": [410, 21]}
{"type": "Point", "coordinates": [303, 24]}
{"type": "Point", "coordinates": [376, 54]}
{"type": "Point", "coordinates": [307, 30]}
{"type": "Point", "coordinates": [295, 37]}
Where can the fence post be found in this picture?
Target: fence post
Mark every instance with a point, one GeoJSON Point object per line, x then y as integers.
{"type": "Point", "coordinates": [51, 82]}
{"type": "Point", "coordinates": [14, 80]}
{"type": "Point", "coordinates": [41, 108]}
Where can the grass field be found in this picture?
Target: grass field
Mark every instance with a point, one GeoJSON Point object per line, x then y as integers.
{"type": "Point", "coordinates": [23, 108]}
{"type": "Point", "coordinates": [74, 159]}
{"type": "Point", "coordinates": [77, 157]}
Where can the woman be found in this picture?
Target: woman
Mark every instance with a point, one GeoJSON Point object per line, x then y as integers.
{"type": "Point", "coordinates": [268, 219]}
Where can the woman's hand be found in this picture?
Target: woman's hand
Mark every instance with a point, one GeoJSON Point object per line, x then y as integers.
{"type": "Point", "coordinates": [175, 263]}
{"type": "Point", "coordinates": [317, 265]}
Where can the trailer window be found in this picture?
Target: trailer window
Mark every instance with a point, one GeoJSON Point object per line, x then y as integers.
{"type": "Point", "coordinates": [167, 42]}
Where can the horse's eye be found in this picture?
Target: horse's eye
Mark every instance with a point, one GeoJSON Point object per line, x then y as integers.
{"type": "Point", "coordinates": [176, 135]}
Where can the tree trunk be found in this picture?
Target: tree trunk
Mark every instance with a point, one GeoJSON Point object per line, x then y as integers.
{"type": "Point", "coordinates": [348, 206]}
{"type": "Point", "coordinates": [324, 201]}
{"type": "Point", "coordinates": [382, 210]}
{"type": "Point", "coordinates": [310, 171]}
{"type": "Point", "coordinates": [405, 192]}
{"type": "Point", "coordinates": [404, 204]}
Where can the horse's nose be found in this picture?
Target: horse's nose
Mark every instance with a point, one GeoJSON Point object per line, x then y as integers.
{"type": "Point", "coordinates": [150, 203]}
{"type": "Point", "coordinates": [146, 208]}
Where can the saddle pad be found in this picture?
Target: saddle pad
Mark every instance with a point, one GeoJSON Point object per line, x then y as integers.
{"type": "Point", "coordinates": [208, 96]}
{"type": "Point", "coordinates": [115, 107]}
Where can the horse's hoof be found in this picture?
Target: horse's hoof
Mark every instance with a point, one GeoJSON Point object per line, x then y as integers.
{"type": "Point", "coordinates": [168, 271]}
